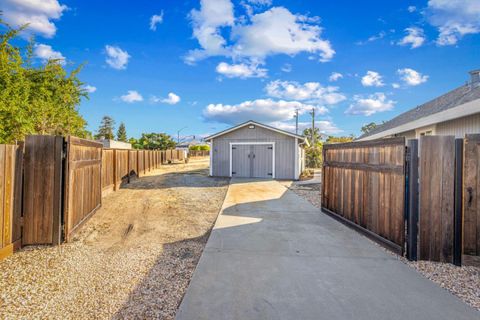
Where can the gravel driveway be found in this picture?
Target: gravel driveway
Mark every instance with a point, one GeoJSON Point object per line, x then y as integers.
{"type": "Point", "coordinates": [132, 260]}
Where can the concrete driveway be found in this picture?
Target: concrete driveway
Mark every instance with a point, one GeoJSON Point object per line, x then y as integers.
{"type": "Point", "coordinates": [272, 255]}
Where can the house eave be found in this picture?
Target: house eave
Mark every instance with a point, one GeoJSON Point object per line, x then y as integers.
{"type": "Point", "coordinates": [460, 111]}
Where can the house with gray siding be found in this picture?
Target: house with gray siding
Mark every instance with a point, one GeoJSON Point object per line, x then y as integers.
{"type": "Point", "coordinates": [455, 113]}
{"type": "Point", "coordinates": [256, 150]}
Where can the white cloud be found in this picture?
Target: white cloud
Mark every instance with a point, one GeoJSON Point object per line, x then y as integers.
{"type": "Point", "coordinates": [411, 77]}
{"type": "Point", "coordinates": [90, 89]}
{"type": "Point", "coordinates": [261, 2]}
{"type": "Point", "coordinates": [131, 97]}
{"type": "Point", "coordinates": [415, 37]}
{"type": "Point", "coordinates": [171, 98]}
{"type": "Point", "coordinates": [241, 70]}
{"type": "Point", "coordinates": [373, 38]}
{"type": "Point", "coordinates": [156, 19]}
{"type": "Point", "coordinates": [287, 67]}
{"type": "Point", "coordinates": [37, 13]}
{"type": "Point", "coordinates": [45, 53]}
{"type": "Point", "coordinates": [278, 31]}
{"type": "Point", "coordinates": [263, 110]}
{"type": "Point", "coordinates": [371, 104]}
{"type": "Point", "coordinates": [116, 57]}
{"type": "Point", "coordinates": [411, 9]}
{"type": "Point", "coordinates": [312, 92]}
{"type": "Point", "coordinates": [275, 31]}
{"type": "Point", "coordinates": [372, 79]}
{"type": "Point", "coordinates": [454, 19]}
{"type": "Point", "coordinates": [395, 85]}
{"type": "Point", "coordinates": [207, 21]}
{"type": "Point", "coordinates": [324, 126]}
{"type": "Point", "coordinates": [335, 76]}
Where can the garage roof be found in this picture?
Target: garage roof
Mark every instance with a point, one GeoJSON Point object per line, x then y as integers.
{"type": "Point", "coordinates": [257, 124]}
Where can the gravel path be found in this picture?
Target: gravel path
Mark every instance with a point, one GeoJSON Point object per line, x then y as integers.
{"type": "Point", "coordinates": [132, 260]}
{"type": "Point", "coordinates": [463, 282]}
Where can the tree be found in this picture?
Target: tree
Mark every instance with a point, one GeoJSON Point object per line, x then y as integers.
{"type": "Point", "coordinates": [313, 153]}
{"type": "Point", "coordinates": [36, 100]}
{"type": "Point", "coordinates": [105, 130]}
{"type": "Point", "coordinates": [204, 147]}
{"type": "Point", "coordinates": [122, 133]}
{"type": "Point", "coordinates": [332, 139]}
{"type": "Point", "coordinates": [368, 127]}
{"type": "Point", "coordinates": [155, 141]}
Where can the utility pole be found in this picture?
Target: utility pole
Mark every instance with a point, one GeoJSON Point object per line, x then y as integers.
{"type": "Point", "coordinates": [296, 121]}
{"type": "Point", "coordinates": [313, 126]}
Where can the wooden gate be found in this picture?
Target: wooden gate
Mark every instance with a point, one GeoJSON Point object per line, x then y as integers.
{"type": "Point", "coordinates": [364, 185]}
{"type": "Point", "coordinates": [471, 195]}
{"type": "Point", "coordinates": [42, 190]}
{"type": "Point", "coordinates": [83, 182]}
{"type": "Point", "coordinates": [436, 201]}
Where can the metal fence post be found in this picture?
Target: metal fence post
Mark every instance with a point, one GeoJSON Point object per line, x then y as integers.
{"type": "Point", "coordinates": [412, 199]}
{"type": "Point", "coordinates": [458, 217]}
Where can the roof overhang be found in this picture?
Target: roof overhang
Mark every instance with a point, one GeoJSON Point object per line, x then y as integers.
{"type": "Point", "coordinates": [209, 138]}
{"type": "Point", "coordinates": [460, 111]}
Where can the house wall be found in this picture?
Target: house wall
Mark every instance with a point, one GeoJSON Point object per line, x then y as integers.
{"type": "Point", "coordinates": [284, 150]}
{"type": "Point", "coordinates": [457, 127]}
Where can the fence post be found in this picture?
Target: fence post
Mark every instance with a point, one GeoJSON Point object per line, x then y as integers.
{"type": "Point", "coordinates": [411, 197]}
{"type": "Point", "coordinates": [458, 218]}
{"type": "Point", "coordinates": [115, 188]}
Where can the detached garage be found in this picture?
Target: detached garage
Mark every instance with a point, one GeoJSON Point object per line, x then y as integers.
{"type": "Point", "coordinates": [255, 150]}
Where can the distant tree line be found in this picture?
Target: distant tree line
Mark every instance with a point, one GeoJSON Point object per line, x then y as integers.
{"type": "Point", "coordinates": [148, 141]}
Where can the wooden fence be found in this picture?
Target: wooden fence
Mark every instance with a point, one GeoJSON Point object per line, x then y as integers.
{"type": "Point", "coordinates": [82, 187]}
{"type": "Point", "coordinates": [364, 184]}
{"type": "Point", "coordinates": [198, 153]}
{"type": "Point", "coordinates": [51, 185]}
{"type": "Point", "coordinates": [10, 198]}
{"type": "Point", "coordinates": [422, 197]}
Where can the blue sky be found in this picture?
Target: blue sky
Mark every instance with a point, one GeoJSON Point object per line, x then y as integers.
{"type": "Point", "coordinates": [160, 66]}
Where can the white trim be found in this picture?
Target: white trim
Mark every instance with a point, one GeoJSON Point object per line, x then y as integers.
{"type": "Point", "coordinates": [211, 158]}
{"type": "Point", "coordinates": [252, 143]}
{"type": "Point", "coordinates": [257, 124]}
{"type": "Point", "coordinates": [419, 131]}
{"type": "Point", "coordinates": [297, 171]}
{"type": "Point", "coordinates": [460, 111]}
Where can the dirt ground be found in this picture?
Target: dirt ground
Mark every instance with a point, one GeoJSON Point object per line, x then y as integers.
{"type": "Point", "coordinates": [132, 260]}
{"type": "Point", "coordinates": [464, 282]}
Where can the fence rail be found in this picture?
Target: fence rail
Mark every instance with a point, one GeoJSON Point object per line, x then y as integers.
{"type": "Point", "coordinates": [51, 185]}
{"type": "Point", "coordinates": [426, 199]}
{"type": "Point", "coordinates": [364, 184]}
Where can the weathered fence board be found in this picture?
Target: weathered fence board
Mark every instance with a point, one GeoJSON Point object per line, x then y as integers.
{"type": "Point", "coordinates": [9, 220]}
{"type": "Point", "coordinates": [41, 192]}
{"type": "Point", "coordinates": [437, 167]}
{"type": "Point", "coordinates": [121, 167]}
{"type": "Point", "coordinates": [364, 183]}
{"type": "Point", "coordinates": [132, 163]}
{"type": "Point", "coordinates": [471, 195]}
{"type": "Point", "coordinates": [83, 182]}
{"type": "Point", "coordinates": [108, 170]}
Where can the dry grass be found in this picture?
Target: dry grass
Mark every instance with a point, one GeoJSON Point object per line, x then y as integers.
{"type": "Point", "coordinates": [132, 260]}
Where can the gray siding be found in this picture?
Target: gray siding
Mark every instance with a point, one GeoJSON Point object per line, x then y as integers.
{"type": "Point", "coordinates": [459, 127]}
{"type": "Point", "coordinates": [284, 150]}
